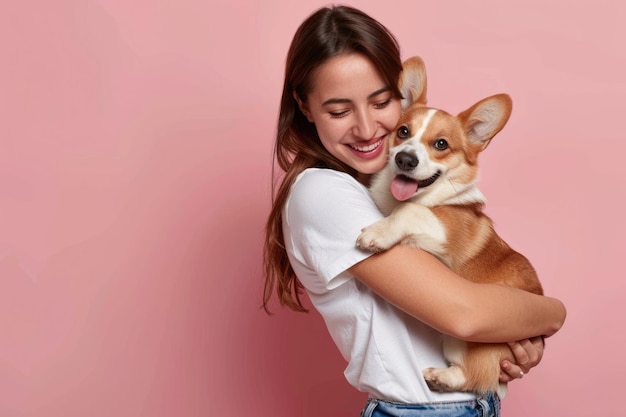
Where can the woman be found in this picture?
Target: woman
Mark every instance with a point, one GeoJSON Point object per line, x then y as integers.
{"type": "Point", "coordinates": [385, 311]}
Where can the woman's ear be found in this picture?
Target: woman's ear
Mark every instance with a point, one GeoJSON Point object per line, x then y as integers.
{"type": "Point", "coordinates": [303, 107]}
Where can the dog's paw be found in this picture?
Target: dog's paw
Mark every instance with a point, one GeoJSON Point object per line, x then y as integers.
{"type": "Point", "coordinates": [444, 379]}
{"type": "Point", "coordinates": [433, 380]}
{"type": "Point", "coordinates": [374, 239]}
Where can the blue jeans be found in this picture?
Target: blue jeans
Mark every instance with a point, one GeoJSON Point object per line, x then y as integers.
{"type": "Point", "coordinates": [485, 406]}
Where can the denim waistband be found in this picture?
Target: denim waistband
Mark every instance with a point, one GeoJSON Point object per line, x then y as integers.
{"type": "Point", "coordinates": [487, 405]}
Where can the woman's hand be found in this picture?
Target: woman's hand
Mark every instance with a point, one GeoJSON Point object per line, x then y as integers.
{"type": "Point", "coordinates": [528, 354]}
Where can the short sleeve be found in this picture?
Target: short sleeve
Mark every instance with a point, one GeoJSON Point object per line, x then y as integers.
{"type": "Point", "coordinates": [323, 217]}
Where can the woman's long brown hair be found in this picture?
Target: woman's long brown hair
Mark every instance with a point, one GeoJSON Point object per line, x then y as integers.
{"type": "Point", "coordinates": [328, 32]}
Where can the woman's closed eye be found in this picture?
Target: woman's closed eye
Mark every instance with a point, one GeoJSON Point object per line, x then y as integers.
{"type": "Point", "coordinates": [377, 105]}
{"type": "Point", "coordinates": [338, 114]}
{"type": "Point", "coordinates": [383, 104]}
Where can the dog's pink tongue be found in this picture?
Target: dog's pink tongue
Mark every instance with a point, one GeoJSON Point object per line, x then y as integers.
{"type": "Point", "coordinates": [403, 188]}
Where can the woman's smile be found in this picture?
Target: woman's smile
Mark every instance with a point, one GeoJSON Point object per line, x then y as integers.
{"type": "Point", "coordinates": [368, 150]}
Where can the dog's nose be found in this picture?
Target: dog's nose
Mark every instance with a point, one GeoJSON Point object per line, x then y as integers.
{"type": "Point", "coordinates": [406, 161]}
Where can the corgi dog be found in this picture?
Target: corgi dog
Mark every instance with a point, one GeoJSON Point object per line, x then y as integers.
{"type": "Point", "coordinates": [428, 193]}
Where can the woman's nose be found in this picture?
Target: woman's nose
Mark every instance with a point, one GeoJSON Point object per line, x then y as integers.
{"type": "Point", "coordinates": [365, 125]}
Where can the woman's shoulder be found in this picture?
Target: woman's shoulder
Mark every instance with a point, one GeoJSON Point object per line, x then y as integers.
{"type": "Point", "coordinates": [324, 174]}
{"type": "Point", "coordinates": [319, 190]}
{"type": "Point", "coordinates": [326, 179]}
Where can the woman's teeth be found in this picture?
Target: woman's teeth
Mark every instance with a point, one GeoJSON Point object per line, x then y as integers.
{"type": "Point", "coordinates": [367, 148]}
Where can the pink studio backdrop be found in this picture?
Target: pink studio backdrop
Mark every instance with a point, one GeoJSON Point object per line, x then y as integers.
{"type": "Point", "coordinates": [135, 152]}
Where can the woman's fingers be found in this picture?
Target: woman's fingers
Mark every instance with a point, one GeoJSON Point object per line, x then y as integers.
{"type": "Point", "coordinates": [522, 354]}
{"type": "Point", "coordinates": [527, 353]}
{"type": "Point", "coordinates": [509, 371]}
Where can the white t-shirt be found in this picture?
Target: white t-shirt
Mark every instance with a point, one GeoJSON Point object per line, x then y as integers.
{"type": "Point", "coordinates": [386, 349]}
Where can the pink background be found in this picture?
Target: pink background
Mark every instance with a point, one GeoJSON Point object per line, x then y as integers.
{"type": "Point", "coordinates": [135, 153]}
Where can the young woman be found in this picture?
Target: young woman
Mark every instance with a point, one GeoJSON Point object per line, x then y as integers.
{"type": "Point", "coordinates": [385, 312]}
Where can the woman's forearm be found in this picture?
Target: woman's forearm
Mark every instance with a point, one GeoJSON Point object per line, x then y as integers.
{"type": "Point", "coordinates": [502, 314]}
{"type": "Point", "coordinates": [422, 286]}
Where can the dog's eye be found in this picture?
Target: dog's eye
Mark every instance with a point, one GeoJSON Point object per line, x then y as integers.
{"type": "Point", "coordinates": [403, 132]}
{"type": "Point", "coordinates": [441, 144]}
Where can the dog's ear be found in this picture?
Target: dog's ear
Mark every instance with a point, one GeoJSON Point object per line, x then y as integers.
{"type": "Point", "coordinates": [412, 82]}
{"type": "Point", "coordinates": [486, 118]}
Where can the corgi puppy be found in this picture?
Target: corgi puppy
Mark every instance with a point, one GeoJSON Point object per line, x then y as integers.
{"type": "Point", "coordinates": [428, 193]}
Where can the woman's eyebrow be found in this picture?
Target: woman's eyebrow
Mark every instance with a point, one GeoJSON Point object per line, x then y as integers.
{"type": "Point", "coordinates": [336, 101]}
{"type": "Point", "coordinates": [379, 91]}
{"type": "Point", "coordinates": [345, 100]}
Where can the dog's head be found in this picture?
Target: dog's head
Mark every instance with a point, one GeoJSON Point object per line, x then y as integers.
{"type": "Point", "coordinates": [432, 150]}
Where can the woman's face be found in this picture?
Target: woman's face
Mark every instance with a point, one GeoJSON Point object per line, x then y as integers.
{"type": "Point", "coordinates": [353, 110]}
